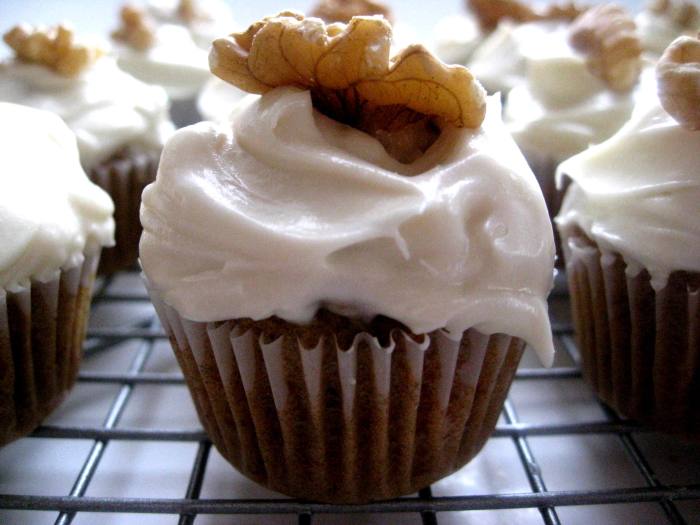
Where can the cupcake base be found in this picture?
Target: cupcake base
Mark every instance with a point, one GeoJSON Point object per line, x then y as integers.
{"type": "Point", "coordinates": [42, 328]}
{"type": "Point", "coordinates": [124, 177]}
{"type": "Point", "coordinates": [640, 347]}
{"type": "Point", "coordinates": [340, 415]}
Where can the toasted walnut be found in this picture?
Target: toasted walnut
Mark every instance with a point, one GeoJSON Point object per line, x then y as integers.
{"type": "Point", "coordinates": [343, 10]}
{"type": "Point", "coordinates": [53, 47]}
{"type": "Point", "coordinates": [491, 12]}
{"type": "Point", "coordinates": [678, 78]}
{"type": "Point", "coordinates": [347, 65]}
{"type": "Point", "coordinates": [607, 35]}
{"type": "Point", "coordinates": [684, 13]}
{"type": "Point", "coordinates": [135, 31]}
{"type": "Point", "coordinates": [189, 11]}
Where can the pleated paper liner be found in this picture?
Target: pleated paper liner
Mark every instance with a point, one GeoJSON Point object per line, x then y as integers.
{"type": "Point", "coordinates": [330, 417]}
{"type": "Point", "coordinates": [124, 177]}
{"type": "Point", "coordinates": [640, 347]}
{"type": "Point", "coordinates": [42, 328]}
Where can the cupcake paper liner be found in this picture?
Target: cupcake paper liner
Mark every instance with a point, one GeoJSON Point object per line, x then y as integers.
{"type": "Point", "coordinates": [368, 422]}
{"type": "Point", "coordinates": [124, 178]}
{"type": "Point", "coordinates": [42, 328]}
{"type": "Point", "coordinates": [640, 347]}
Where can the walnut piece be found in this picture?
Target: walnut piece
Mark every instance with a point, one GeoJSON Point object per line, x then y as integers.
{"type": "Point", "coordinates": [343, 10]}
{"type": "Point", "coordinates": [136, 31]}
{"type": "Point", "coordinates": [53, 47]}
{"type": "Point", "coordinates": [189, 11]}
{"type": "Point", "coordinates": [683, 13]}
{"type": "Point", "coordinates": [678, 79]}
{"type": "Point", "coordinates": [347, 67]}
{"type": "Point", "coordinates": [491, 12]}
{"type": "Point", "coordinates": [607, 35]}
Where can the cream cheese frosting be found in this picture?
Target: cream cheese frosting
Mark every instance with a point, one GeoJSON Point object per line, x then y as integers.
{"type": "Point", "coordinates": [562, 108]}
{"type": "Point", "coordinates": [281, 211]}
{"type": "Point", "coordinates": [456, 37]}
{"type": "Point", "coordinates": [50, 213]}
{"type": "Point", "coordinates": [658, 30]}
{"type": "Point", "coordinates": [217, 99]}
{"type": "Point", "coordinates": [638, 194]}
{"type": "Point", "coordinates": [216, 19]}
{"type": "Point", "coordinates": [106, 108]}
{"type": "Point", "coordinates": [498, 61]}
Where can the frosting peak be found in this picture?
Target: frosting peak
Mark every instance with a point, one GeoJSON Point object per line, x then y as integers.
{"type": "Point", "coordinates": [312, 213]}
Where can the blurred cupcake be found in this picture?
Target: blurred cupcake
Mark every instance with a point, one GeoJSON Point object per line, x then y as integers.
{"type": "Point", "coordinates": [456, 37]}
{"type": "Point", "coordinates": [120, 123]}
{"type": "Point", "coordinates": [509, 26]}
{"type": "Point", "coordinates": [53, 224]}
{"type": "Point", "coordinates": [664, 20]}
{"type": "Point", "coordinates": [580, 89]}
{"type": "Point", "coordinates": [166, 43]}
{"type": "Point", "coordinates": [630, 223]}
{"type": "Point", "coordinates": [350, 267]}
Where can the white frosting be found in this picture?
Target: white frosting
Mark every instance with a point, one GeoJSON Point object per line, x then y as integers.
{"type": "Point", "coordinates": [217, 99]}
{"type": "Point", "coordinates": [562, 108]}
{"type": "Point", "coordinates": [456, 37]}
{"type": "Point", "coordinates": [50, 213]}
{"type": "Point", "coordinates": [282, 210]}
{"type": "Point", "coordinates": [174, 62]}
{"type": "Point", "coordinates": [498, 62]}
{"type": "Point", "coordinates": [106, 108]}
{"type": "Point", "coordinates": [638, 193]}
{"type": "Point", "coordinates": [658, 31]}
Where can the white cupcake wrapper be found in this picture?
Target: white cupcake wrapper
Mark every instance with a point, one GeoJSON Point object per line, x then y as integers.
{"type": "Point", "coordinates": [326, 423]}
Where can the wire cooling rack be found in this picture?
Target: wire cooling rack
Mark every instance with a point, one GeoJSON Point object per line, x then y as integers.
{"type": "Point", "coordinates": [661, 483]}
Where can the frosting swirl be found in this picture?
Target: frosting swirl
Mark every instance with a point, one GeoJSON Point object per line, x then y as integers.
{"type": "Point", "coordinates": [638, 192]}
{"type": "Point", "coordinates": [106, 108]}
{"type": "Point", "coordinates": [217, 99]}
{"type": "Point", "coordinates": [282, 211]}
{"type": "Point", "coordinates": [50, 213]}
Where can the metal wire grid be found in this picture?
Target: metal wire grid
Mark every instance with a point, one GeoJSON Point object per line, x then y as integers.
{"type": "Point", "coordinates": [427, 505]}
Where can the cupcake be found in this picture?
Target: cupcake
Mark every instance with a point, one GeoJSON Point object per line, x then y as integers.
{"type": "Point", "coordinates": [456, 37]}
{"type": "Point", "coordinates": [120, 123]}
{"type": "Point", "coordinates": [508, 26]}
{"type": "Point", "coordinates": [166, 43]}
{"type": "Point", "coordinates": [630, 223]}
{"type": "Point", "coordinates": [53, 224]}
{"type": "Point", "coordinates": [581, 85]}
{"type": "Point", "coordinates": [349, 268]}
{"type": "Point", "coordinates": [664, 20]}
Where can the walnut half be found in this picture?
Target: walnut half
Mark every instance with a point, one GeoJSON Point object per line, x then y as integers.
{"type": "Point", "coordinates": [349, 72]}
{"type": "Point", "coordinates": [678, 78]}
{"type": "Point", "coordinates": [491, 12]}
{"type": "Point", "coordinates": [136, 30]}
{"type": "Point", "coordinates": [53, 47]}
{"type": "Point", "coordinates": [607, 35]}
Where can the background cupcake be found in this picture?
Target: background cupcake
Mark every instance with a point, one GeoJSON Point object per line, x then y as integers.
{"type": "Point", "coordinates": [630, 223]}
{"type": "Point", "coordinates": [53, 224]}
{"type": "Point", "coordinates": [581, 85]}
{"type": "Point", "coordinates": [120, 123]}
{"type": "Point", "coordinates": [350, 285]}
{"type": "Point", "coordinates": [663, 20]}
{"type": "Point", "coordinates": [165, 43]}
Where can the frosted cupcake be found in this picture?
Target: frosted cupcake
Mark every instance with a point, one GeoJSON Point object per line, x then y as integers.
{"type": "Point", "coordinates": [350, 267]}
{"type": "Point", "coordinates": [53, 224]}
{"type": "Point", "coordinates": [664, 20]}
{"type": "Point", "coordinates": [120, 123]}
{"type": "Point", "coordinates": [510, 25]}
{"type": "Point", "coordinates": [580, 88]}
{"type": "Point", "coordinates": [166, 43]}
{"type": "Point", "coordinates": [630, 223]}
